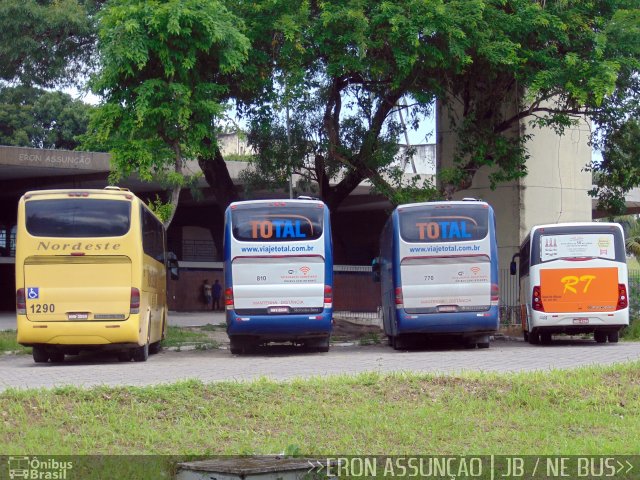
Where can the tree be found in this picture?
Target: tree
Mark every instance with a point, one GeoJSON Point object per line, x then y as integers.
{"type": "Point", "coordinates": [344, 66]}
{"type": "Point", "coordinates": [619, 171]}
{"type": "Point", "coordinates": [46, 43]}
{"type": "Point", "coordinates": [32, 117]}
{"type": "Point", "coordinates": [165, 72]}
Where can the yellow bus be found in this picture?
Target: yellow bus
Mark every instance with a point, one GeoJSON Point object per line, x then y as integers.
{"type": "Point", "coordinates": [90, 274]}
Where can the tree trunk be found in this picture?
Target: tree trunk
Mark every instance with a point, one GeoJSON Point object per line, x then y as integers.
{"type": "Point", "coordinates": [217, 176]}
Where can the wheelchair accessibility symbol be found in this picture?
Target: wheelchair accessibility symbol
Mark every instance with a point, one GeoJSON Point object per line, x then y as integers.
{"type": "Point", "coordinates": [33, 293]}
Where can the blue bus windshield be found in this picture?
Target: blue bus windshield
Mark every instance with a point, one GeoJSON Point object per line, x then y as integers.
{"type": "Point", "coordinates": [444, 223]}
{"type": "Point", "coordinates": [253, 223]}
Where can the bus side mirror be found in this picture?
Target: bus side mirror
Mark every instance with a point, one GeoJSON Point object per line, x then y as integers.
{"type": "Point", "coordinates": [513, 269]}
{"type": "Point", "coordinates": [375, 269]}
{"type": "Point", "coordinates": [172, 265]}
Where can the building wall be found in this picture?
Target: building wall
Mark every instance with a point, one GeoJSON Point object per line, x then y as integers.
{"type": "Point", "coordinates": [554, 190]}
{"type": "Point", "coordinates": [353, 288]}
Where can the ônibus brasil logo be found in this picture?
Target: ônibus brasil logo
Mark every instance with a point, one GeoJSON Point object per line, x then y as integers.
{"type": "Point", "coordinates": [33, 468]}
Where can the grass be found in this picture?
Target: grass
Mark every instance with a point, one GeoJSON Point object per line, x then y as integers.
{"type": "Point", "coordinates": [593, 410]}
{"type": "Point", "coordinates": [632, 332]}
{"type": "Point", "coordinates": [8, 343]}
{"type": "Point", "coordinates": [183, 336]}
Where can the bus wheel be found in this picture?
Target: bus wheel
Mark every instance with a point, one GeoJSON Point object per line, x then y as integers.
{"type": "Point", "coordinates": [534, 337]}
{"type": "Point", "coordinates": [397, 342]}
{"type": "Point", "coordinates": [155, 347]}
{"type": "Point", "coordinates": [525, 334]}
{"type": "Point", "coordinates": [56, 357]}
{"type": "Point", "coordinates": [600, 336]}
{"type": "Point", "coordinates": [319, 345]}
{"type": "Point", "coordinates": [124, 356]}
{"type": "Point", "coordinates": [613, 337]}
{"type": "Point", "coordinates": [236, 346]}
{"type": "Point", "coordinates": [40, 355]}
{"type": "Point", "coordinates": [141, 354]}
{"type": "Point", "coordinates": [545, 338]}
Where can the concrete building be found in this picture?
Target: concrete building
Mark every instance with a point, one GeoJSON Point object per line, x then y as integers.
{"type": "Point", "coordinates": [554, 190]}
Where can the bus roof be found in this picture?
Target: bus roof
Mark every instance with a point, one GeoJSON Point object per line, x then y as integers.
{"type": "Point", "coordinates": [575, 224]}
{"type": "Point", "coordinates": [470, 201]}
{"type": "Point", "coordinates": [279, 201]}
{"type": "Point", "coordinates": [90, 191]}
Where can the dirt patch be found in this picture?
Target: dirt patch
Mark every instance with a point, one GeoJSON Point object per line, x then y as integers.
{"type": "Point", "coordinates": [343, 331]}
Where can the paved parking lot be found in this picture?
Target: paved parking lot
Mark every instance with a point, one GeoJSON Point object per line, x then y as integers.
{"type": "Point", "coordinates": [281, 362]}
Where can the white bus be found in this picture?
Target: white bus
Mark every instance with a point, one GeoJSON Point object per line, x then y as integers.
{"type": "Point", "coordinates": [278, 271]}
{"type": "Point", "coordinates": [573, 280]}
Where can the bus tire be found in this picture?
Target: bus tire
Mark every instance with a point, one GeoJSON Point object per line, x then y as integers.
{"type": "Point", "coordinates": [545, 338]}
{"type": "Point", "coordinates": [614, 336]}
{"type": "Point", "coordinates": [155, 347]}
{"type": "Point", "coordinates": [599, 336]}
{"type": "Point", "coordinates": [141, 354]}
{"type": "Point", "coordinates": [56, 357]}
{"type": "Point", "coordinates": [319, 345]}
{"type": "Point", "coordinates": [483, 345]}
{"type": "Point", "coordinates": [236, 346]}
{"type": "Point", "coordinates": [398, 343]}
{"type": "Point", "coordinates": [534, 337]}
{"type": "Point", "coordinates": [40, 355]}
{"type": "Point", "coordinates": [124, 356]}
{"type": "Point", "coordinates": [525, 335]}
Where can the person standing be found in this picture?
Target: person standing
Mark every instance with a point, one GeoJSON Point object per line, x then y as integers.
{"type": "Point", "coordinates": [207, 291]}
{"type": "Point", "coordinates": [217, 295]}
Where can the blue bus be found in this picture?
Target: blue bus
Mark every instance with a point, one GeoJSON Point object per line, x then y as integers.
{"type": "Point", "coordinates": [438, 268]}
{"type": "Point", "coordinates": [278, 271]}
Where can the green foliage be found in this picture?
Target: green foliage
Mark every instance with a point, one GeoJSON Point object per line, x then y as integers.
{"type": "Point", "coordinates": [162, 209]}
{"type": "Point", "coordinates": [32, 117]}
{"type": "Point", "coordinates": [164, 75]}
{"type": "Point", "coordinates": [619, 171]}
{"type": "Point", "coordinates": [46, 42]}
{"type": "Point", "coordinates": [499, 68]}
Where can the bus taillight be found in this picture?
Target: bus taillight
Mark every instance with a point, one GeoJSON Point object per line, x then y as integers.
{"type": "Point", "coordinates": [495, 294]}
{"type": "Point", "coordinates": [228, 298]}
{"type": "Point", "coordinates": [399, 300]}
{"type": "Point", "coordinates": [328, 296]}
{"type": "Point", "coordinates": [21, 302]}
{"type": "Point", "coordinates": [623, 301]}
{"type": "Point", "coordinates": [134, 304]}
{"type": "Point", "coordinates": [536, 299]}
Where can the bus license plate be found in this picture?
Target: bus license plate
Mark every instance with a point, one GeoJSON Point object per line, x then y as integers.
{"type": "Point", "coordinates": [78, 316]}
{"type": "Point", "coordinates": [278, 310]}
{"type": "Point", "coordinates": [448, 308]}
{"type": "Point", "coordinates": [581, 321]}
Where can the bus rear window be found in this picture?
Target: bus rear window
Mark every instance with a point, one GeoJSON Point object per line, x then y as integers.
{"type": "Point", "coordinates": [578, 245]}
{"type": "Point", "coordinates": [444, 223]}
{"type": "Point", "coordinates": [277, 224]}
{"type": "Point", "coordinates": [78, 218]}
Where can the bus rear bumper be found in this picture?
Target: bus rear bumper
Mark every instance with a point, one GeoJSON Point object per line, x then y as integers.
{"type": "Point", "coordinates": [449, 323]}
{"type": "Point", "coordinates": [122, 333]}
{"type": "Point", "coordinates": [579, 322]}
{"type": "Point", "coordinates": [280, 328]}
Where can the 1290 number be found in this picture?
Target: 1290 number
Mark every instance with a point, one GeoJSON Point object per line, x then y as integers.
{"type": "Point", "coordinates": [43, 308]}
